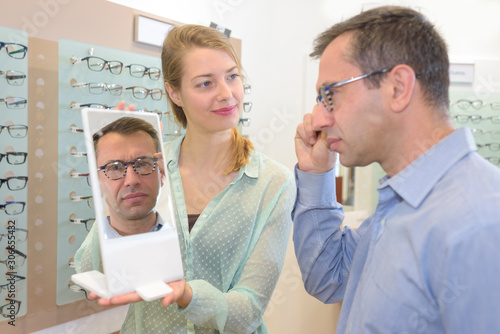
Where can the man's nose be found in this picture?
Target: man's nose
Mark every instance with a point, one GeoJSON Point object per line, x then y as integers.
{"type": "Point", "coordinates": [131, 177]}
{"type": "Point", "coordinates": [322, 118]}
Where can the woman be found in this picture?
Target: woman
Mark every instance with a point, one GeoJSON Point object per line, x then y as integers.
{"type": "Point", "coordinates": [233, 204]}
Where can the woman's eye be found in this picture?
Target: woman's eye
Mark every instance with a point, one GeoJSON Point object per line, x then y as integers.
{"type": "Point", "coordinates": [234, 76]}
{"type": "Point", "coordinates": [204, 84]}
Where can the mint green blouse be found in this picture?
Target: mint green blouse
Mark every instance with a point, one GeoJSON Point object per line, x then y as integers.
{"type": "Point", "coordinates": [232, 258]}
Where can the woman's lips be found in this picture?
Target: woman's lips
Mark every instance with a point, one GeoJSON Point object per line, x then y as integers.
{"type": "Point", "coordinates": [225, 111]}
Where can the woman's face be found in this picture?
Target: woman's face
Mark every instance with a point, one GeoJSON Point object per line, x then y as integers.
{"type": "Point", "coordinates": [211, 92]}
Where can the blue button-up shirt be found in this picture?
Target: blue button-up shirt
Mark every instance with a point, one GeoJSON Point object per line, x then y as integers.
{"type": "Point", "coordinates": [426, 261]}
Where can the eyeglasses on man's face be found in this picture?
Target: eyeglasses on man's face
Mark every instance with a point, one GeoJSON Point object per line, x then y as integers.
{"type": "Point", "coordinates": [14, 78]}
{"type": "Point", "coordinates": [14, 102]}
{"type": "Point", "coordinates": [325, 92]}
{"type": "Point", "coordinates": [116, 170]}
{"type": "Point", "coordinates": [14, 158]}
{"type": "Point", "coordinates": [14, 50]}
{"type": "Point", "coordinates": [98, 64]}
{"type": "Point", "coordinates": [15, 130]}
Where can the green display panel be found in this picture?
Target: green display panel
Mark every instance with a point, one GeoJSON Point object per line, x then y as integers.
{"type": "Point", "coordinates": [93, 81]}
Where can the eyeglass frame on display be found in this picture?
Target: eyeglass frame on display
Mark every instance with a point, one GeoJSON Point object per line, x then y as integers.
{"type": "Point", "coordinates": [8, 179]}
{"type": "Point", "coordinates": [12, 302]}
{"type": "Point", "coordinates": [113, 89]}
{"type": "Point", "coordinates": [8, 154]}
{"type": "Point", "coordinates": [19, 254]}
{"type": "Point", "coordinates": [76, 198]}
{"type": "Point", "coordinates": [76, 60]}
{"type": "Point", "coordinates": [15, 231]}
{"type": "Point", "coordinates": [19, 126]}
{"type": "Point", "coordinates": [25, 49]}
{"type": "Point", "coordinates": [83, 221]}
{"type": "Point", "coordinates": [20, 75]}
{"type": "Point", "coordinates": [21, 101]}
{"type": "Point", "coordinates": [148, 92]}
{"type": "Point", "coordinates": [475, 104]}
{"type": "Point", "coordinates": [4, 207]}
{"type": "Point", "coordinates": [146, 70]}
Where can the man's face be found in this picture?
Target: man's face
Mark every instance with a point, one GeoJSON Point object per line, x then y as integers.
{"type": "Point", "coordinates": [355, 126]}
{"type": "Point", "coordinates": [134, 196]}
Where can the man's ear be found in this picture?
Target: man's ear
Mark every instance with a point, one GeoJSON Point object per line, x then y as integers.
{"type": "Point", "coordinates": [174, 94]}
{"type": "Point", "coordinates": [402, 84]}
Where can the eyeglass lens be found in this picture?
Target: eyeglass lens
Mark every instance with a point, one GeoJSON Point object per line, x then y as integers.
{"type": "Point", "coordinates": [117, 169]}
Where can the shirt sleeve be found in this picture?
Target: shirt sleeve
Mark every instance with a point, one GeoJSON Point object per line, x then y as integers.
{"type": "Point", "coordinates": [240, 309]}
{"type": "Point", "coordinates": [88, 256]}
{"type": "Point", "coordinates": [324, 251]}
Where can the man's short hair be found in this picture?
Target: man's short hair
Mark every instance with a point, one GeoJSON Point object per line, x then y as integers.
{"type": "Point", "coordinates": [128, 126]}
{"type": "Point", "coordinates": [387, 36]}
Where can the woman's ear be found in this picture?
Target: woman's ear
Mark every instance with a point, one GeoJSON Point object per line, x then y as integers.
{"type": "Point", "coordinates": [173, 93]}
{"type": "Point", "coordinates": [402, 79]}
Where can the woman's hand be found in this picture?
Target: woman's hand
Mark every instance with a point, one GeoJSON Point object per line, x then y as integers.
{"type": "Point", "coordinates": [181, 294]}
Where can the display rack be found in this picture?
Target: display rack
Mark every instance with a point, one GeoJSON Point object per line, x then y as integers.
{"type": "Point", "coordinates": [96, 81]}
{"type": "Point", "coordinates": [13, 172]}
{"type": "Point", "coordinates": [482, 116]}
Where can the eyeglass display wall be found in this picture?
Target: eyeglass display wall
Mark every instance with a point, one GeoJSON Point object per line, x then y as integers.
{"type": "Point", "coordinates": [482, 116]}
{"type": "Point", "coordinates": [98, 77]}
{"type": "Point", "coordinates": [13, 172]}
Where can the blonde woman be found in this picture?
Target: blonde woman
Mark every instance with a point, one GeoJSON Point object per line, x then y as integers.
{"type": "Point", "coordinates": [233, 204]}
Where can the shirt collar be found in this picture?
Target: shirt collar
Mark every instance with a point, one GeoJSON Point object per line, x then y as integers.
{"type": "Point", "coordinates": [112, 233]}
{"type": "Point", "coordinates": [415, 182]}
{"type": "Point", "coordinates": [251, 169]}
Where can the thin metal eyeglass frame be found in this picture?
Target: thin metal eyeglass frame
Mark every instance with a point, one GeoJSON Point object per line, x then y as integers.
{"type": "Point", "coordinates": [324, 91]}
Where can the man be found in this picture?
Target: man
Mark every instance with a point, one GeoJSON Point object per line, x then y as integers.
{"type": "Point", "coordinates": [130, 179]}
{"type": "Point", "coordinates": [129, 175]}
{"type": "Point", "coordinates": [426, 261]}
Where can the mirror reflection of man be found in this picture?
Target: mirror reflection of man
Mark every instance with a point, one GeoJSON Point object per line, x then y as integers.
{"type": "Point", "coordinates": [129, 175]}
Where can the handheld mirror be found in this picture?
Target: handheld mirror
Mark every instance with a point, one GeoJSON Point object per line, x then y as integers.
{"type": "Point", "coordinates": [128, 185]}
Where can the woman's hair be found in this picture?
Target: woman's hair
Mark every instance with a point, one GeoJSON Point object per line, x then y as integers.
{"type": "Point", "coordinates": [178, 43]}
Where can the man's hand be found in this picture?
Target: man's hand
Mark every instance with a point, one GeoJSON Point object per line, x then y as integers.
{"type": "Point", "coordinates": [311, 148]}
{"type": "Point", "coordinates": [181, 294]}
